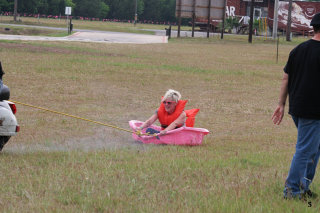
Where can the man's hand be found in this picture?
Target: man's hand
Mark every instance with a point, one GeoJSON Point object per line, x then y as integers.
{"type": "Point", "coordinates": [278, 114]}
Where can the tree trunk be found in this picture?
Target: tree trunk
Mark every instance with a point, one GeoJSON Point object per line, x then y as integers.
{"type": "Point", "coordinates": [15, 10]}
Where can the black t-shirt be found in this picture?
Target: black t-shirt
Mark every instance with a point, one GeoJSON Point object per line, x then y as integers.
{"type": "Point", "coordinates": [303, 68]}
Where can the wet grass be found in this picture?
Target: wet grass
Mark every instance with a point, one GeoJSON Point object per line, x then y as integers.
{"type": "Point", "coordinates": [58, 164]}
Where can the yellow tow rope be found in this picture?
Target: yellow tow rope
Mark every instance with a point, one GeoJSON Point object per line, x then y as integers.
{"type": "Point", "coordinates": [84, 119]}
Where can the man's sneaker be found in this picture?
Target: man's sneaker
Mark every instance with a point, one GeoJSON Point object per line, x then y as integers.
{"type": "Point", "coordinates": [309, 194]}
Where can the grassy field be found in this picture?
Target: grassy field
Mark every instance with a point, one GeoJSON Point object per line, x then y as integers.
{"type": "Point", "coordinates": [92, 25]}
{"type": "Point", "coordinates": [59, 164]}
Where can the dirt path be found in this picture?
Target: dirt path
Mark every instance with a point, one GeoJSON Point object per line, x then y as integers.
{"type": "Point", "coordinates": [104, 139]}
{"type": "Point", "coordinates": [98, 36]}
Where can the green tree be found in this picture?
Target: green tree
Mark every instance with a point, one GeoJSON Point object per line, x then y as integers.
{"type": "Point", "coordinates": [152, 10]}
{"type": "Point", "coordinates": [69, 3]}
{"type": "Point", "coordinates": [168, 10]}
{"type": "Point", "coordinates": [140, 8]}
{"type": "Point", "coordinates": [160, 10]}
{"type": "Point", "coordinates": [104, 10]}
{"type": "Point", "coordinates": [124, 9]}
{"type": "Point", "coordinates": [62, 7]}
{"type": "Point", "coordinates": [4, 5]}
{"type": "Point", "coordinates": [91, 8]}
{"type": "Point", "coordinates": [42, 7]}
{"type": "Point", "coordinates": [157, 10]}
{"type": "Point", "coordinates": [53, 7]}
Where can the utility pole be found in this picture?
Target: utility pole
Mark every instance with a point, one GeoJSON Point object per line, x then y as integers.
{"type": "Point", "coordinates": [179, 18]}
{"type": "Point", "coordinates": [275, 19]}
{"type": "Point", "coordinates": [15, 10]}
{"type": "Point", "coordinates": [136, 14]}
{"type": "Point", "coordinates": [209, 17]}
{"type": "Point", "coordinates": [288, 33]}
{"type": "Point", "coordinates": [251, 22]}
{"type": "Point", "coordinates": [223, 18]}
{"type": "Point", "coordinates": [193, 16]}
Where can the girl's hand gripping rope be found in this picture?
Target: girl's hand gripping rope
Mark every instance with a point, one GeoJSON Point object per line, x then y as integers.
{"type": "Point", "coordinates": [138, 132]}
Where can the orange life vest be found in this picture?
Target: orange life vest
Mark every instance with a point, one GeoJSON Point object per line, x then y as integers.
{"type": "Point", "coordinates": [165, 118]}
{"type": "Point", "coordinates": [191, 116]}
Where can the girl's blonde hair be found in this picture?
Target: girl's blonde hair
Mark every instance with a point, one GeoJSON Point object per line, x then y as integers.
{"type": "Point", "coordinates": [173, 94]}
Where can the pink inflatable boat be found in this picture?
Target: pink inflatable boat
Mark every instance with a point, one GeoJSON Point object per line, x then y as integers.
{"type": "Point", "coordinates": [182, 136]}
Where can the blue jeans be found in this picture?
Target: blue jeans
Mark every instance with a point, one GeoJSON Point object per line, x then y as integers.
{"type": "Point", "coordinates": [305, 160]}
{"type": "Point", "coordinates": [152, 131]}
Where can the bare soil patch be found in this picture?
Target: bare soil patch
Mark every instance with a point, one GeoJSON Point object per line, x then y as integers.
{"type": "Point", "coordinates": [25, 31]}
{"type": "Point", "coordinates": [58, 50]}
{"type": "Point", "coordinates": [103, 139]}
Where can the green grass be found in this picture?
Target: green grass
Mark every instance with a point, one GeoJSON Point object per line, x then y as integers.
{"type": "Point", "coordinates": [59, 164]}
{"type": "Point", "coordinates": [181, 179]}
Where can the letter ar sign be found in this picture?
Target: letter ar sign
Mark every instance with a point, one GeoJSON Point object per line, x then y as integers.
{"type": "Point", "coordinates": [230, 10]}
{"type": "Point", "coordinates": [68, 11]}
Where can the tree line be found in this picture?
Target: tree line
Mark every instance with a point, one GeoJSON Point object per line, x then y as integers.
{"type": "Point", "coordinates": [157, 10]}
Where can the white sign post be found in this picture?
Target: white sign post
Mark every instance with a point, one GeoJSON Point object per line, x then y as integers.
{"type": "Point", "coordinates": [68, 13]}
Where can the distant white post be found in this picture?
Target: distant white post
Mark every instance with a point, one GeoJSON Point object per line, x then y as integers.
{"type": "Point", "coordinates": [68, 13]}
{"type": "Point", "coordinates": [275, 19]}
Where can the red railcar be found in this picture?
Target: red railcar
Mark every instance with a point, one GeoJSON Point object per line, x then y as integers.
{"type": "Point", "coordinates": [302, 13]}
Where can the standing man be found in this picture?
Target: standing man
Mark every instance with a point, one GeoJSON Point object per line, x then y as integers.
{"type": "Point", "coordinates": [1, 74]}
{"type": "Point", "coordinates": [301, 80]}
